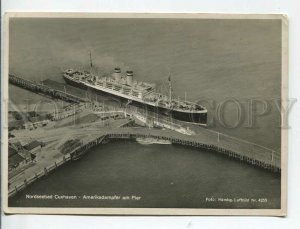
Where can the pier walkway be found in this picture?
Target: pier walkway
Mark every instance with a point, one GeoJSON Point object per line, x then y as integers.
{"type": "Point", "coordinates": [43, 89]}
{"type": "Point", "coordinates": [256, 155]}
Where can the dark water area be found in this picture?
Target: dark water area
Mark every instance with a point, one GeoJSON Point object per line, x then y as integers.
{"type": "Point", "coordinates": [166, 176]}
{"type": "Point", "coordinates": [211, 60]}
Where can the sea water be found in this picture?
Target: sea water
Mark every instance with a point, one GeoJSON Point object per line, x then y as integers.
{"type": "Point", "coordinates": [166, 176]}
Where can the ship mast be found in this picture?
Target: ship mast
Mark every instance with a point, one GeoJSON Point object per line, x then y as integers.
{"type": "Point", "coordinates": [91, 62]}
{"type": "Point", "coordinates": [170, 90]}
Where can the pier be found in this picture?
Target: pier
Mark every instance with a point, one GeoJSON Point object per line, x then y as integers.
{"type": "Point", "coordinates": [96, 133]}
{"type": "Point", "coordinates": [43, 89]}
{"type": "Point", "coordinates": [263, 158]}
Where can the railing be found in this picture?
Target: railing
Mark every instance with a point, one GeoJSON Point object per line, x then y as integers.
{"type": "Point", "coordinates": [244, 147]}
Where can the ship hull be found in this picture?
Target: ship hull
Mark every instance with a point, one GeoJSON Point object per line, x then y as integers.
{"type": "Point", "coordinates": [189, 117]}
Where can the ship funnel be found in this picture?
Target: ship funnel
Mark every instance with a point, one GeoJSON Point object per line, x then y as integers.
{"type": "Point", "coordinates": [117, 74]}
{"type": "Point", "coordinates": [129, 77]}
{"type": "Point", "coordinates": [117, 70]}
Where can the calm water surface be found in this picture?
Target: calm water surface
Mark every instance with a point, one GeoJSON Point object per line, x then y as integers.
{"type": "Point", "coordinates": [162, 175]}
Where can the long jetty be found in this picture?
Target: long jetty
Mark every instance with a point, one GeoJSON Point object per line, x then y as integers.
{"type": "Point", "coordinates": [43, 89]}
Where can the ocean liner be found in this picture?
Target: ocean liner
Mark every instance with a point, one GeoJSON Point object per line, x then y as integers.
{"type": "Point", "coordinates": [139, 94]}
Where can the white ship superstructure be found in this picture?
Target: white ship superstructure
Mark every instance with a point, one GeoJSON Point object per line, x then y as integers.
{"type": "Point", "coordinates": [138, 93]}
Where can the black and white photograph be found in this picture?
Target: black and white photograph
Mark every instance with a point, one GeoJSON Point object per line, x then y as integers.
{"type": "Point", "coordinates": [145, 114]}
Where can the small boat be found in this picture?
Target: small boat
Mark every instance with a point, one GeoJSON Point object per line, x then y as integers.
{"type": "Point", "coordinates": [149, 140]}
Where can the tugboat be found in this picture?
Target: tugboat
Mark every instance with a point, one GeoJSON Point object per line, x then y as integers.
{"type": "Point", "coordinates": [149, 141]}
